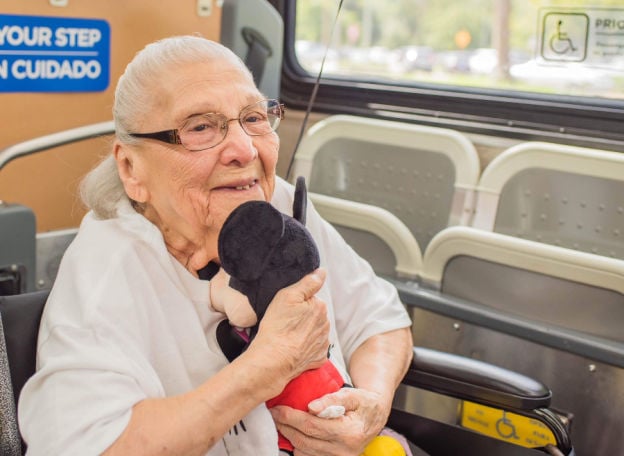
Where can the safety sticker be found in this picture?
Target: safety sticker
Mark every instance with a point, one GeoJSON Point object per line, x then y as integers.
{"type": "Point", "coordinates": [53, 54]}
{"type": "Point", "coordinates": [503, 425]}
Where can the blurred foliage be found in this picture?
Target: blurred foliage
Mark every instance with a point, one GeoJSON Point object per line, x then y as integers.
{"type": "Point", "coordinates": [433, 23]}
{"type": "Point", "coordinates": [477, 43]}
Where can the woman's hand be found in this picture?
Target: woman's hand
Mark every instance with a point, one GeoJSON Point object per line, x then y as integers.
{"type": "Point", "coordinates": [376, 367]}
{"type": "Point", "coordinates": [365, 415]}
{"type": "Point", "coordinates": [293, 335]}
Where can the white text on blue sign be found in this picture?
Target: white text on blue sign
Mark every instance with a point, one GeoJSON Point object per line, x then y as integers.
{"type": "Point", "coordinates": [51, 54]}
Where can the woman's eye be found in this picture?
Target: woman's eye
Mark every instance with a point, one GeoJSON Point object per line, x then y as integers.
{"type": "Point", "coordinates": [255, 117]}
{"type": "Point", "coordinates": [199, 125]}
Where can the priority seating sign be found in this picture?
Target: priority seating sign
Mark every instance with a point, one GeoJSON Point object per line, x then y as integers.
{"type": "Point", "coordinates": [53, 54]}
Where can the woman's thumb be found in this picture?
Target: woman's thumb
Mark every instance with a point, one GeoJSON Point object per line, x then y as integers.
{"type": "Point", "coordinates": [312, 283]}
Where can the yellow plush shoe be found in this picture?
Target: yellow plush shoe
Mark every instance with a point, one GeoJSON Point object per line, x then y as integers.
{"type": "Point", "coordinates": [384, 445]}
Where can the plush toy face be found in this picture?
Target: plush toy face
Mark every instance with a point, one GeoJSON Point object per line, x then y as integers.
{"type": "Point", "coordinates": [263, 251]}
{"type": "Point", "coordinates": [231, 302]}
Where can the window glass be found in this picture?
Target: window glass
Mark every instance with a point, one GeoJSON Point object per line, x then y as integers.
{"type": "Point", "coordinates": [570, 47]}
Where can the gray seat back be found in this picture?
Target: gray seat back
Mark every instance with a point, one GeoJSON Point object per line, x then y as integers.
{"type": "Point", "coordinates": [375, 234]}
{"type": "Point", "coordinates": [10, 442]}
{"type": "Point", "coordinates": [546, 299]}
{"type": "Point", "coordinates": [254, 31]}
{"type": "Point", "coordinates": [567, 196]}
{"type": "Point", "coordinates": [425, 176]}
{"type": "Point", "coordinates": [559, 317]}
{"type": "Point", "coordinates": [20, 316]}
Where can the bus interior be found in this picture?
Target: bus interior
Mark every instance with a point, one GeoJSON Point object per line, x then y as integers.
{"type": "Point", "coordinates": [471, 153]}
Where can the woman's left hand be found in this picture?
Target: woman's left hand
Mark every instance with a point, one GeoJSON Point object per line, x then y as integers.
{"type": "Point", "coordinates": [365, 415]}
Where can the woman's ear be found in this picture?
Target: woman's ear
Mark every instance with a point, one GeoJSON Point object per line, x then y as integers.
{"type": "Point", "coordinates": [128, 173]}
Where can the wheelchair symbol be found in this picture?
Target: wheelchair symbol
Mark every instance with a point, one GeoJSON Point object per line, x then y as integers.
{"type": "Point", "coordinates": [505, 428]}
{"type": "Point", "coordinates": [560, 43]}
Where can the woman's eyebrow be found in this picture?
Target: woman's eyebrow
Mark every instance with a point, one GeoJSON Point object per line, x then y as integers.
{"type": "Point", "coordinates": [198, 111]}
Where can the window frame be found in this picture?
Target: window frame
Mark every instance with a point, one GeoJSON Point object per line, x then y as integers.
{"type": "Point", "coordinates": [588, 122]}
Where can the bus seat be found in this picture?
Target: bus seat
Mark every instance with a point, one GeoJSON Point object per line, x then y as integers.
{"type": "Point", "coordinates": [20, 316]}
{"type": "Point", "coordinates": [374, 233]}
{"type": "Point", "coordinates": [549, 312]}
{"type": "Point", "coordinates": [10, 442]}
{"type": "Point", "coordinates": [424, 175]}
{"type": "Point", "coordinates": [510, 396]}
{"type": "Point", "coordinates": [556, 194]}
{"type": "Point", "coordinates": [17, 249]}
{"type": "Point", "coordinates": [444, 373]}
{"type": "Point", "coordinates": [36, 256]}
{"type": "Point", "coordinates": [50, 248]}
{"type": "Point", "coordinates": [254, 30]}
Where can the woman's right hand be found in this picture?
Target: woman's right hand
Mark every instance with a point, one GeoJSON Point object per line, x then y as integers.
{"type": "Point", "coordinates": [293, 335]}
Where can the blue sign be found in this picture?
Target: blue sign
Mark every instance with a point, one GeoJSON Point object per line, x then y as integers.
{"type": "Point", "coordinates": [53, 54]}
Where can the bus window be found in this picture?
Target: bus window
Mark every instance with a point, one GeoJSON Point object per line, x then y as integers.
{"type": "Point", "coordinates": [527, 46]}
{"type": "Point", "coordinates": [538, 68]}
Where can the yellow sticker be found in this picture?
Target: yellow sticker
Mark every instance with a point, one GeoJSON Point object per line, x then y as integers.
{"type": "Point", "coordinates": [507, 426]}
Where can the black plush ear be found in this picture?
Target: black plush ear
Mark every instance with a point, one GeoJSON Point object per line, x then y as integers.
{"type": "Point", "coordinates": [247, 238]}
{"type": "Point", "coordinates": [300, 204]}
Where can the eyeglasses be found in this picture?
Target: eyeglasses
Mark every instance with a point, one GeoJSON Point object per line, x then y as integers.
{"type": "Point", "coordinates": [208, 130]}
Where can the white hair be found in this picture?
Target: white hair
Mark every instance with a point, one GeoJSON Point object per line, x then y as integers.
{"type": "Point", "coordinates": [102, 188]}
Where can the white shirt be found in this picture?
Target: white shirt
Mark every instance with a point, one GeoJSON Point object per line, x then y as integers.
{"type": "Point", "coordinates": [125, 321]}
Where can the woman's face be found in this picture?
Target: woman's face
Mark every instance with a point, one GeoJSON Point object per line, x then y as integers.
{"type": "Point", "coordinates": [188, 195]}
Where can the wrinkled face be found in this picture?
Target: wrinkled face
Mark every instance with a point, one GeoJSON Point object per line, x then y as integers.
{"type": "Point", "coordinates": [189, 195]}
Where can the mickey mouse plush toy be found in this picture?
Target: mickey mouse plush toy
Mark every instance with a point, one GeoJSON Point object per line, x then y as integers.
{"type": "Point", "coordinates": [263, 250]}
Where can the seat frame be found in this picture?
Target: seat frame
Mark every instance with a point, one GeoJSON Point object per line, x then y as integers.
{"type": "Point", "coordinates": [443, 373]}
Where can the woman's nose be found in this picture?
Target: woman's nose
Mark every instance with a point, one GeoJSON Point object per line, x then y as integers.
{"type": "Point", "coordinates": [238, 145]}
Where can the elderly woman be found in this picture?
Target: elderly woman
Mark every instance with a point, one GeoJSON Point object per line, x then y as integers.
{"type": "Point", "coordinates": [128, 362]}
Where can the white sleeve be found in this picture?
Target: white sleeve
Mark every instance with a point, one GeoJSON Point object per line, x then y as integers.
{"type": "Point", "coordinates": [90, 388]}
{"type": "Point", "coordinates": [93, 361]}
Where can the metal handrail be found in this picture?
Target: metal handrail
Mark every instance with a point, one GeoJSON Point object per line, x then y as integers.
{"type": "Point", "coordinates": [32, 146]}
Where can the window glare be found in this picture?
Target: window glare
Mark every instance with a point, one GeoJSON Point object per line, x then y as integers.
{"type": "Point", "coordinates": [569, 47]}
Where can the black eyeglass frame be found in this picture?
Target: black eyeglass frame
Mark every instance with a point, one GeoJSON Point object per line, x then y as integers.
{"type": "Point", "coordinates": [173, 136]}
